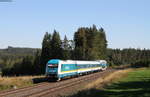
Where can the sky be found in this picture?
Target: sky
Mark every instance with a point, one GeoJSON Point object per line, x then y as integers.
{"type": "Point", "coordinates": [23, 23]}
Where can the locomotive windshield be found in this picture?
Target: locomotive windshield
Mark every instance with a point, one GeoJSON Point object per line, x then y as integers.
{"type": "Point", "coordinates": [53, 65]}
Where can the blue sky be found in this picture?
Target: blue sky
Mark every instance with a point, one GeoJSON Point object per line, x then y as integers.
{"type": "Point", "coordinates": [23, 23]}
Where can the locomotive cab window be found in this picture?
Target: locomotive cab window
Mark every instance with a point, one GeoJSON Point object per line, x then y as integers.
{"type": "Point", "coordinates": [53, 65]}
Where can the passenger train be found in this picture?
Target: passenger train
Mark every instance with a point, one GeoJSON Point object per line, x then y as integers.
{"type": "Point", "coordinates": [59, 69]}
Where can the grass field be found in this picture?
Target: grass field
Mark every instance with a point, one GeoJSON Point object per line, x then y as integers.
{"type": "Point", "coordinates": [135, 84]}
{"type": "Point", "coordinates": [17, 82]}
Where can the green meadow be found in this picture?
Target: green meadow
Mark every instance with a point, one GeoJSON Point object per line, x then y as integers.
{"type": "Point", "coordinates": [135, 84]}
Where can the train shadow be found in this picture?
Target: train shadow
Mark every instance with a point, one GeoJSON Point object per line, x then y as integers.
{"type": "Point", "coordinates": [39, 80]}
{"type": "Point", "coordinates": [42, 79]}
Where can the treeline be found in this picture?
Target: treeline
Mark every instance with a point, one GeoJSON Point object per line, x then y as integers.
{"type": "Point", "coordinates": [14, 55]}
{"type": "Point", "coordinates": [134, 57]}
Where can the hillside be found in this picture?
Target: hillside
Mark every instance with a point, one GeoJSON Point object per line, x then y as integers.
{"type": "Point", "coordinates": [15, 53]}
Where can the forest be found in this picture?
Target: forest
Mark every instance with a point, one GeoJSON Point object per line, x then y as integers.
{"type": "Point", "coordinates": [89, 43]}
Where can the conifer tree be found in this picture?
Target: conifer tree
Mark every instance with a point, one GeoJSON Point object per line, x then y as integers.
{"type": "Point", "coordinates": [66, 49]}
{"type": "Point", "coordinates": [36, 63]}
{"type": "Point", "coordinates": [90, 43]}
{"type": "Point", "coordinates": [56, 46]}
{"type": "Point", "coordinates": [46, 51]}
{"type": "Point", "coordinates": [80, 44]}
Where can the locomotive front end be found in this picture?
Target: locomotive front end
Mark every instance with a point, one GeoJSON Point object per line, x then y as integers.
{"type": "Point", "coordinates": [52, 69]}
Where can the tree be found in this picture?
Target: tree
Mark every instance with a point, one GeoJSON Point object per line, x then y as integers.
{"type": "Point", "coordinates": [46, 53]}
{"type": "Point", "coordinates": [80, 44]}
{"type": "Point", "coordinates": [56, 50]}
{"type": "Point", "coordinates": [101, 43]}
{"type": "Point", "coordinates": [26, 67]}
{"type": "Point", "coordinates": [90, 43]}
{"type": "Point", "coordinates": [66, 49]}
{"type": "Point", "coordinates": [36, 63]}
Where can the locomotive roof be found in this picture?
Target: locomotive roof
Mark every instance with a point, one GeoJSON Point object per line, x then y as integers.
{"type": "Point", "coordinates": [55, 61]}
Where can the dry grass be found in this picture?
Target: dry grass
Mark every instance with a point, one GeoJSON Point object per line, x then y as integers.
{"type": "Point", "coordinates": [99, 83]}
{"type": "Point", "coordinates": [16, 82]}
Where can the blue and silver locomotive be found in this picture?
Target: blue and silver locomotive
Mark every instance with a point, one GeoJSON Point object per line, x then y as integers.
{"type": "Point", "coordinates": [59, 69]}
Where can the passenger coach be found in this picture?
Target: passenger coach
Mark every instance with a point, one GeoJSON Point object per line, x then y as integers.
{"type": "Point", "coordinates": [59, 69]}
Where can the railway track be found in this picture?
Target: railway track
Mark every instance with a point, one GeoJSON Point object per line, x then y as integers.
{"type": "Point", "coordinates": [54, 91]}
{"type": "Point", "coordinates": [11, 91]}
{"type": "Point", "coordinates": [44, 89]}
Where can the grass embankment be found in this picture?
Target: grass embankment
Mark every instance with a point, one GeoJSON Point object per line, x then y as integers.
{"type": "Point", "coordinates": [18, 82]}
{"type": "Point", "coordinates": [135, 83]}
